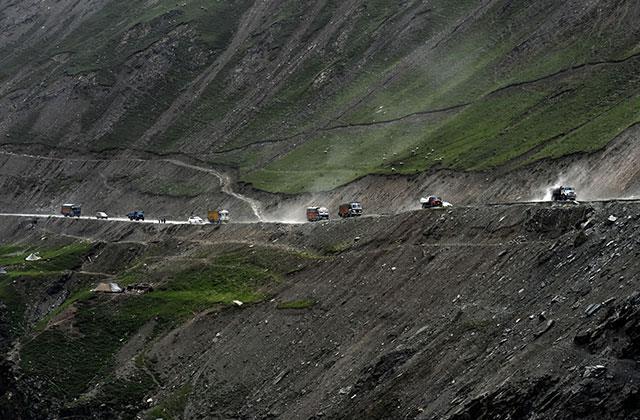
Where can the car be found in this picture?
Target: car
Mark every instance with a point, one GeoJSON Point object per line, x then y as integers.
{"type": "Point", "coordinates": [101, 215]}
{"type": "Point", "coordinates": [195, 220]}
{"type": "Point", "coordinates": [136, 215]}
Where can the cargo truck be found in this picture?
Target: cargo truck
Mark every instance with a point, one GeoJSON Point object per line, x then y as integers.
{"type": "Point", "coordinates": [563, 193]}
{"type": "Point", "coordinates": [218, 216]}
{"type": "Point", "coordinates": [315, 214]}
{"type": "Point", "coordinates": [71, 210]}
{"type": "Point", "coordinates": [352, 209]}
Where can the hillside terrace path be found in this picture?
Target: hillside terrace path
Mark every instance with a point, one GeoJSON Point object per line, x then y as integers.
{"type": "Point", "coordinates": [226, 183]}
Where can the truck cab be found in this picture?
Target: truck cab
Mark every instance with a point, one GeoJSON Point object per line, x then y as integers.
{"type": "Point", "coordinates": [315, 214]}
{"type": "Point", "coordinates": [352, 209]}
{"type": "Point", "coordinates": [564, 193]}
{"type": "Point", "coordinates": [71, 210]}
{"type": "Point", "coordinates": [136, 215]}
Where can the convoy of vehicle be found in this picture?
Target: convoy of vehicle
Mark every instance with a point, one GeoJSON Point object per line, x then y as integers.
{"type": "Point", "coordinates": [563, 193]}
{"type": "Point", "coordinates": [136, 215]}
{"type": "Point", "coordinates": [315, 214]}
{"type": "Point", "coordinates": [71, 210]}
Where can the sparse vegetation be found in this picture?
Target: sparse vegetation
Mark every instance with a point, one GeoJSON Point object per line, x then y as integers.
{"type": "Point", "coordinates": [58, 259]}
{"type": "Point", "coordinates": [297, 304]}
{"type": "Point", "coordinates": [103, 323]}
{"type": "Point", "coordinates": [322, 119]}
{"type": "Point", "coordinates": [173, 406]}
{"type": "Point", "coordinates": [338, 247]}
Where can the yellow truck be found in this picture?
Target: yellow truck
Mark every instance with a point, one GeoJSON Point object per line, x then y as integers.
{"type": "Point", "coordinates": [218, 216]}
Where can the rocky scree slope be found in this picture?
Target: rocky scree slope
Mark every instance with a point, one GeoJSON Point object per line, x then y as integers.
{"type": "Point", "coordinates": [527, 311]}
{"type": "Point", "coordinates": [306, 96]}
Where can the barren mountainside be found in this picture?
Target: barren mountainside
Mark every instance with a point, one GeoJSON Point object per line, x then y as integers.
{"type": "Point", "coordinates": [144, 119]}
{"type": "Point", "coordinates": [309, 95]}
{"type": "Point", "coordinates": [512, 311]}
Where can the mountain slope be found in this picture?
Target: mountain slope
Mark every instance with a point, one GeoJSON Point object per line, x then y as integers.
{"type": "Point", "coordinates": [509, 311]}
{"type": "Point", "coordinates": [303, 96]}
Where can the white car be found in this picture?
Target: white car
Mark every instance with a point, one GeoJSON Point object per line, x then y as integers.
{"type": "Point", "coordinates": [196, 220]}
{"type": "Point", "coordinates": [101, 215]}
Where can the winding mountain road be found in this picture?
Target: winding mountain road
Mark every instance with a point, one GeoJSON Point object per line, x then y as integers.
{"type": "Point", "coordinates": [226, 183]}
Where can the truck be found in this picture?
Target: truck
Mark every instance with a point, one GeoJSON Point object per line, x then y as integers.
{"type": "Point", "coordinates": [136, 215]}
{"type": "Point", "coordinates": [218, 216]}
{"type": "Point", "coordinates": [315, 214]}
{"type": "Point", "coordinates": [563, 193]}
{"type": "Point", "coordinates": [71, 210]}
{"type": "Point", "coordinates": [352, 209]}
{"type": "Point", "coordinates": [431, 202]}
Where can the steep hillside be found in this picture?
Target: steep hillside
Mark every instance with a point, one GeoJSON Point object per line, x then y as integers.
{"type": "Point", "coordinates": [510, 311]}
{"type": "Point", "coordinates": [306, 96]}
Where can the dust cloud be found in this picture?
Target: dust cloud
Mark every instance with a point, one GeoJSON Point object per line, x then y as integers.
{"type": "Point", "coordinates": [590, 185]}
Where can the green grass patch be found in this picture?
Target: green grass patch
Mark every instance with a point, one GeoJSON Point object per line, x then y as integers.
{"type": "Point", "coordinates": [297, 304]}
{"type": "Point", "coordinates": [125, 396]}
{"type": "Point", "coordinates": [338, 247]}
{"type": "Point", "coordinates": [77, 296]}
{"type": "Point", "coordinates": [575, 113]}
{"type": "Point", "coordinates": [76, 360]}
{"type": "Point", "coordinates": [25, 279]}
{"type": "Point", "coordinates": [173, 406]}
{"type": "Point", "coordinates": [63, 258]}
{"type": "Point", "coordinates": [15, 307]}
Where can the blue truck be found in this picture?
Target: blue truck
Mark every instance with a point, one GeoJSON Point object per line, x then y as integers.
{"type": "Point", "coordinates": [136, 215]}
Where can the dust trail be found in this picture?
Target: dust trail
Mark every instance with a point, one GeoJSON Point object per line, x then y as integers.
{"type": "Point", "coordinates": [591, 184]}
{"type": "Point", "coordinates": [225, 185]}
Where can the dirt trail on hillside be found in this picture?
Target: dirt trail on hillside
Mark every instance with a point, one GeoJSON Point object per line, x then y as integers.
{"type": "Point", "coordinates": [226, 183]}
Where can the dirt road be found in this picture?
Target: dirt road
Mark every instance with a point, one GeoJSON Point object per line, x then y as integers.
{"type": "Point", "coordinates": [488, 308]}
{"type": "Point", "coordinates": [226, 183]}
